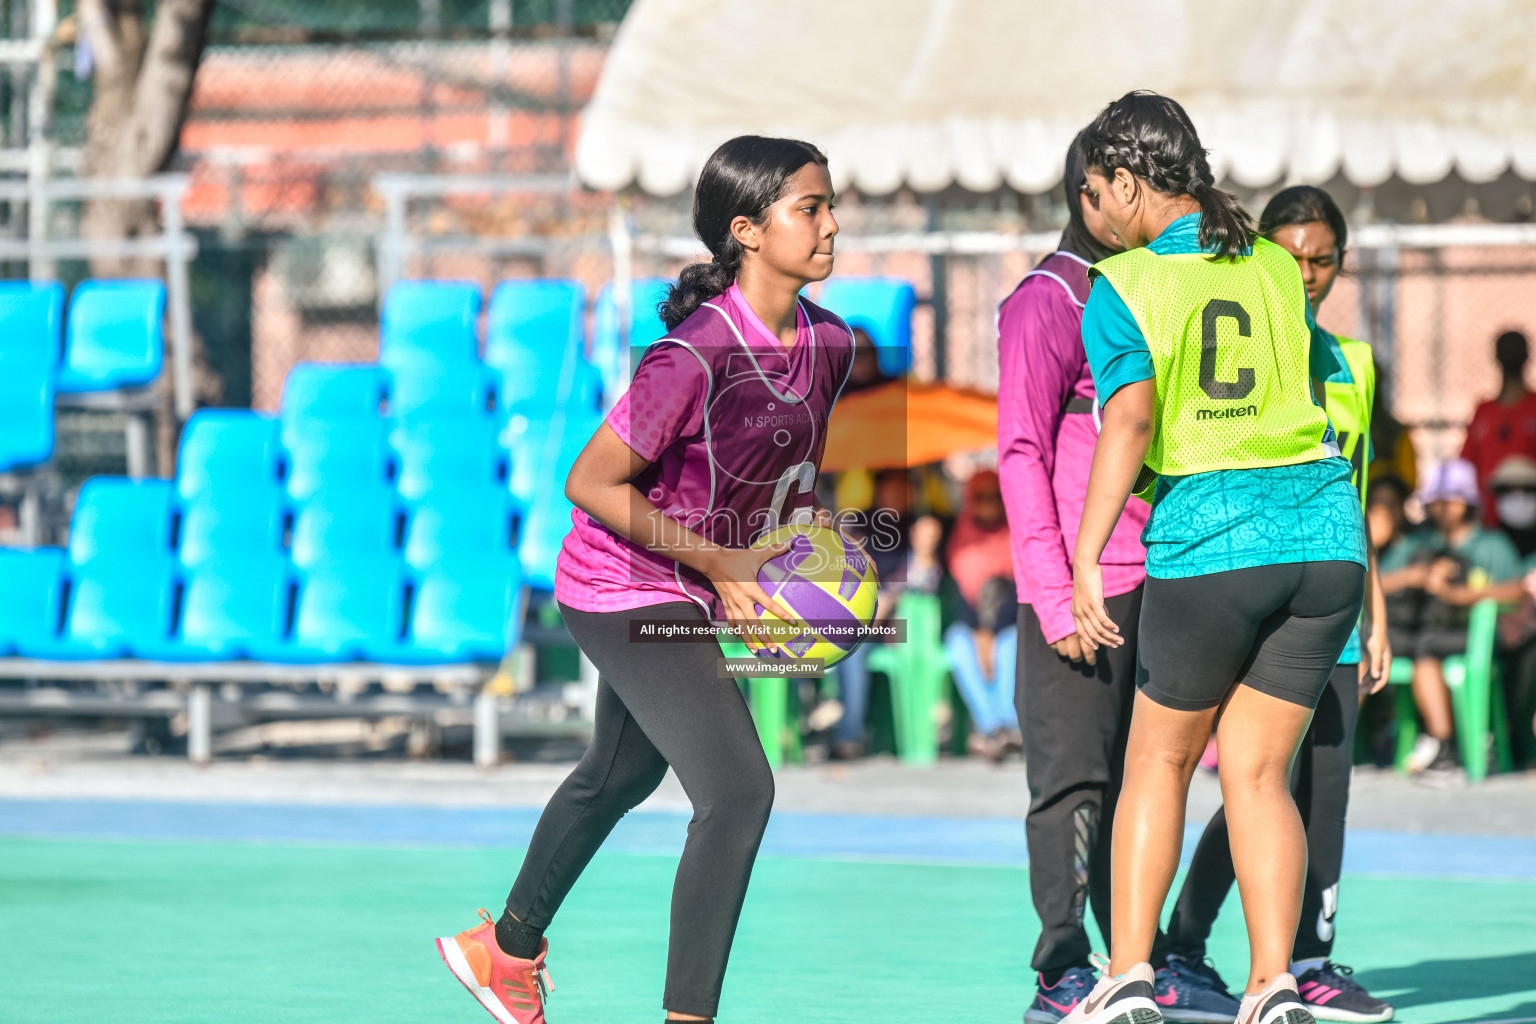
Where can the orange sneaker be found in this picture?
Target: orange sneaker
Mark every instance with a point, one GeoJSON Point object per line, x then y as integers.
{"type": "Point", "coordinates": [512, 990]}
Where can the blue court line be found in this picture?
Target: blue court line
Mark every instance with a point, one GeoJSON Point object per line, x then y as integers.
{"type": "Point", "coordinates": [973, 841]}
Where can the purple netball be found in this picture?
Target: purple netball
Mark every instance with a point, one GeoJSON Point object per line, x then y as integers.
{"type": "Point", "coordinates": [827, 583]}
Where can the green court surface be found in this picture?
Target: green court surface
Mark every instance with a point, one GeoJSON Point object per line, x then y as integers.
{"type": "Point", "coordinates": [167, 932]}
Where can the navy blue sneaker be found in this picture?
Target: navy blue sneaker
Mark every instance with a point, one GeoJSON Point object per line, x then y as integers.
{"type": "Point", "coordinates": [1331, 994]}
{"type": "Point", "coordinates": [1189, 991]}
{"type": "Point", "coordinates": [1053, 1002]}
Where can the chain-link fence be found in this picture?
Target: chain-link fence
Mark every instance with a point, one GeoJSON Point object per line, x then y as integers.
{"type": "Point", "coordinates": [298, 109]}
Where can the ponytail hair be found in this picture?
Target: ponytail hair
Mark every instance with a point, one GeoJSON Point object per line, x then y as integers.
{"type": "Point", "coordinates": [742, 178]}
{"type": "Point", "coordinates": [1304, 204]}
{"type": "Point", "coordinates": [1153, 138]}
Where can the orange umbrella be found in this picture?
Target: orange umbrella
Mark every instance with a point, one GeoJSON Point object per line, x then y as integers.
{"type": "Point", "coordinates": [908, 423]}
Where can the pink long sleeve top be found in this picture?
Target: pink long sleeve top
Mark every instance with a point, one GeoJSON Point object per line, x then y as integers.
{"type": "Point", "coordinates": [1046, 430]}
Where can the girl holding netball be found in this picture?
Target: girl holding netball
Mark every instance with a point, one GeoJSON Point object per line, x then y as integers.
{"type": "Point", "coordinates": [717, 441]}
{"type": "Point", "coordinates": [1208, 365]}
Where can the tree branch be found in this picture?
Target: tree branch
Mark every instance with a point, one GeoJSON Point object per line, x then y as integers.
{"type": "Point", "coordinates": [164, 87]}
{"type": "Point", "coordinates": [98, 27]}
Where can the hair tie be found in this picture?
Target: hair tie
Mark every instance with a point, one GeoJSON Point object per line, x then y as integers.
{"type": "Point", "coordinates": [1198, 185]}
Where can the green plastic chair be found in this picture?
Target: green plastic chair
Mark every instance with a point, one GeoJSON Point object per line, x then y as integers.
{"type": "Point", "coordinates": [918, 671]}
{"type": "Point", "coordinates": [1405, 710]}
{"type": "Point", "coordinates": [1477, 695]}
{"type": "Point", "coordinates": [769, 699]}
{"type": "Point", "coordinates": [1477, 698]}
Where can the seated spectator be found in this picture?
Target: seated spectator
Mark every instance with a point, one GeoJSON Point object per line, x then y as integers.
{"type": "Point", "coordinates": [1513, 487]}
{"type": "Point", "coordinates": [1432, 576]}
{"type": "Point", "coordinates": [1385, 517]}
{"type": "Point", "coordinates": [1391, 446]}
{"type": "Point", "coordinates": [982, 645]}
{"type": "Point", "coordinates": [865, 372]}
{"type": "Point", "coordinates": [1505, 425]}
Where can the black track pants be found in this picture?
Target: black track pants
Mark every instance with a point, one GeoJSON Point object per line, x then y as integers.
{"type": "Point", "coordinates": [1075, 721]}
{"type": "Point", "coordinates": [1320, 781]}
{"type": "Point", "coordinates": [660, 704]}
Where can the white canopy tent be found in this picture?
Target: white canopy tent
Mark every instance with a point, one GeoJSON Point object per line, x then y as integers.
{"type": "Point", "coordinates": [988, 93]}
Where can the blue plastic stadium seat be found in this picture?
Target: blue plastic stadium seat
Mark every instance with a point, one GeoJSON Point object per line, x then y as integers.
{"type": "Point", "coordinates": [26, 412]}
{"type": "Point", "coordinates": [434, 321]}
{"type": "Point", "coordinates": [114, 610]}
{"type": "Point", "coordinates": [441, 389]}
{"type": "Point", "coordinates": [433, 453]}
{"type": "Point", "coordinates": [115, 336]}
{"type": "Point", "coordinates": [539, 539]}
{"type": "Point", "coordinates": [227, 451]}
{"type": "Point", "coordinates": [31, 319]}
{"type": "Point", "coordinates": [541, 314]}
{"type": "Point", "coordinates": [230, 607]}
{"type": "Point", "coordinates": [121, 521]}
{"type": "Point", "coordinates": [609, 353]}
{"type": "Point", "coordinates": [333, 391]}
{"type": "Point", "coordinates": [345, 607]}
{"type": "Point", "coordinates": [527, 439]}
{"type": "Point", "coordinates": [462, 611]}
{"type": "Point", "coordinates": [547, 519]}
{"type": "Point", "coordinates": [340, 454]}
{"type": "Point", "coordinates": [344, 522]}
{"type": "Point", "coordinates": [457, 524]}
{"type": "Point", "coordinates": [534, 385]}
{"type": "Point", "coordinates": [542, 453]}
{"type": "Point", "coordinates": [883, 307]}
{"type": "Point", "coordinates": [226, 522]}
{"type": "Point", "coordinates": [31, 587]}
{"type": "Point", "coordinates": [534, 341]}
{"type": "Point", "coordinates": [30, 315]}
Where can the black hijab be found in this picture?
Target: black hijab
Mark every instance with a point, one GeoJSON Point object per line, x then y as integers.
{"type": "Point", "coordinates": [1075, 237]}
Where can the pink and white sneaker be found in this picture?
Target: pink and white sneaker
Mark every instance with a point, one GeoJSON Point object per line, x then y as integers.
{"type": "Point", "coordinates": [512, 990]}
{"type": "Point", "coordinates": [1118, 999]}
{"type": "Point", "coordinates": [1279, 1003]}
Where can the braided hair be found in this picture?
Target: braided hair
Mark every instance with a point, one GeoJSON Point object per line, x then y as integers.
{"type": "Point", "coordinates": [1153, 138]}
{"type": "Point", "coordinates": [742, 178]}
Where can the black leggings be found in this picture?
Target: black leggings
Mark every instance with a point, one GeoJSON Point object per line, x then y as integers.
{"type": "Point", "coordinates": [1076, 719]}
{"type": "Point", "coordinates": [1320, 782]}
{"type": "Point", "coordinates": [660, 704]}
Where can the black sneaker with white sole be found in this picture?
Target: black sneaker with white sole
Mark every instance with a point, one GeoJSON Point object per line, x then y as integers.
{"type": "Point", "coordinates": [1332, 994]}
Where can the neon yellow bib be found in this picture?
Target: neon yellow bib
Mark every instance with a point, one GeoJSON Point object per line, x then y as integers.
{"type": "Point", "coordinates": [1349, 407]}
{"type": "Point", "coordinates": [1230, 345]}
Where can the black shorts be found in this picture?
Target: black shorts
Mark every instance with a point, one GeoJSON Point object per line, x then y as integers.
{"type": "Point", "coordinates": [1277, 628]}
{"type": "Point", "coordinates": [1427, 643]}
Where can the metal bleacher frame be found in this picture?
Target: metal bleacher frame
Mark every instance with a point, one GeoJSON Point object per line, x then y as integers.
{"type": "Point", "coordinates": [201, 690]}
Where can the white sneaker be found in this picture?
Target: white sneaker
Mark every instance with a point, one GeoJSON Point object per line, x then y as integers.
{"type": "Point", "coordinates": [1425, 749]}
{"type": "Point", "coordinates": [1126, 999]}
{"type": "Point", "coordinates": [1279, 1003]}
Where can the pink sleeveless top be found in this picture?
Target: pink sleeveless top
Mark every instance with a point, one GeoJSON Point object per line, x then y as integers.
{"type": "Point", "coordinates": [734, 426]}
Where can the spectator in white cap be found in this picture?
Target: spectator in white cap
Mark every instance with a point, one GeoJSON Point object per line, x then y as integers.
{"type": "Point", "coordinates": [1432, 577]}
{"type": "Point", "coordinates": [1513, 486]}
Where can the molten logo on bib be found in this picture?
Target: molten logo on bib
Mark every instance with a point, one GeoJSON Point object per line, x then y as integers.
{"type": "Point", "coordinates": [1226, 414]}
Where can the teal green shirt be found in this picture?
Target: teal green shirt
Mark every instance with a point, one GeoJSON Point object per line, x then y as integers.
{"type": "Point", "coordinates": [1488, 550]}
{"type": "Point", "coordinates": [1353, 651]}
{"type": "Point", "coordinates": [1232, 518]}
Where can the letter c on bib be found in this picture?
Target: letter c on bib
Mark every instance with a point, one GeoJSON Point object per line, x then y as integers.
{"type": "Point", "coordinates": [1222, 390]}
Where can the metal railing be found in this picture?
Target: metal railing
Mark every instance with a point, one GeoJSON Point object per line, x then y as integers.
{"type": "Point", "coordinates": [397, 243]}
